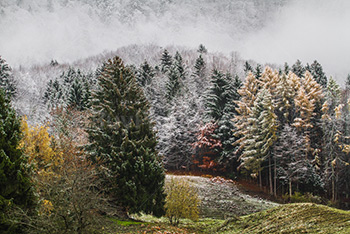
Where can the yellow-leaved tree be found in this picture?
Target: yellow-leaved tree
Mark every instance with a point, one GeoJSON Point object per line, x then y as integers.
{"type": "Point", "coordinates": [37, 145]}
{"type": "Point", "coordinates": [182, 201]}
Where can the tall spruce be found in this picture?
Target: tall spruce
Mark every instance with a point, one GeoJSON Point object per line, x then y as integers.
{"type": "Point", "coordinates": [298, 68]}
{"type": "Point", "coordinates": [16, 189]}
{"type": "Point", "coordinates": [145, 74]}
{"type": "Point", "coordinates": [123, 142]}
{"type": "Point", "coordinates": [316, 71]}
{"type": "Point", "coordinates": [7, 82]}
{"type": "Point", "coordinates": [166, 61]}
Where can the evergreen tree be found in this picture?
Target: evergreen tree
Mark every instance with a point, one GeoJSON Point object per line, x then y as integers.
{"type": "Point", "coordinates": [258, 71]}
{"type": "Point", "coordinates": [72, 88]}
{"type": "Point", "coordinates": [179, 66]}
{"type": "Point", "coordinates": [247, 68]}
{"type": "Point", "coordinates": [298, 68]}
{"type": "Point", "coordinates": [7, 82]}
{"type": "Point", "coordinates": [123, 143]}
{"type": "Point", "coordinates": [145, 74]}
{"type": "Point", "coordinates": [16, 188]}
{"type": "Point", "coordinates": [199, 67]}
{"type": "Point", "coordinates": [202, 49]}
{"type": "Point", "coordinates": [173, 84]}
{"type": "Point", "coordinates": [166, 61]}
{"type": "Point", "coordinates": [317, 73]}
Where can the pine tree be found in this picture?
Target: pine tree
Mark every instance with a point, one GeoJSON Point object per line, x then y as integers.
{"type": "Point", "coordinates": [179, 66]}
{"type": "Point", "coordinates": [16, 189]}
{"type": "Point", "coordinates": [202, 49]}
{"type": "Point", "coordinates": [145, 74]}
{"type": "Point", "coordinates": [7, 82]}
{"type": "Point", "coordinates": [72, 88]}
{"type": "Point", "coordinates": [166, 61]}
{"type": "Point", "coordinates": [247, 68]}
{"type": "Point", "coordinates": [317, 73]}
{"type": "Point", "coordinates": [199, 67]}
{"type": "Point", "coordinates": [258, 71]}
{"type": "Point", "coordinates": [123, 142]}
{"type": "Point", "coordinates": [298, 68]}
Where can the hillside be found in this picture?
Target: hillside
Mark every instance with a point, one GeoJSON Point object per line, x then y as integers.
{"type": "Point", "coordinates": [223, 198]}
{"type": "Point", "coordinates": [292, 218]}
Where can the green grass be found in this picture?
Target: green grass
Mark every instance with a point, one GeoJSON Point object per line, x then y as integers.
{"type": "Point", "coordinates": [292, 218]}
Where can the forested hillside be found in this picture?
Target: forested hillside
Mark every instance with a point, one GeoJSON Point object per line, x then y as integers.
{"type": "Point", "coordinates": [106, 105]}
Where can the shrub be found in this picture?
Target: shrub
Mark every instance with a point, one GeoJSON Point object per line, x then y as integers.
{"type": "Point", "coordinates": [182, 201]}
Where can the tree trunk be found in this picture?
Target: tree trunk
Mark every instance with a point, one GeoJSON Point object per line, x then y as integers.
{"type": "Point", "coordinates": [275, 177]}
{"type": "Point", "coordinates": [270, 176]}
{"type": "Point", "coordinates": [290, 187]}
{"type": "Point", "coordinates": [333, 184]}
{"type": "Point", "coordinates": [260, 182]}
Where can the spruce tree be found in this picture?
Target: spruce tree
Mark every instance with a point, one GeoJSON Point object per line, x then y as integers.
{"type": "Point", "coordinates": [317, 73]}
{"type": "Point", "coordinates": [16, 189]}
{"type": "Point", "coordinates": [298, 68]}
{"type": "Point", "coordinates": [247, 68]}
{"type": "Point", "coordinates": [7, 82]}
{"type": "Point", "coordinates": [202, 49]}
{"type": "Point", "coordinates": [123, 143]}
{"type": "Point", "coordinates": [166, 61]}
{"type": "Point", "coordinates": [199, 67]}
{"type": "Point", "coordinates": [145, 74]}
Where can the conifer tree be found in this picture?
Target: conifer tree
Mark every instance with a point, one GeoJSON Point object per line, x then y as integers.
{"type": "Point", "coordinates": [166, 61]}
{"type": "Point", "coordinates": [248, 95]}
{"type": "Point", "coordinates": [258, 71]}
{"type": "Point", "coordinates": [7, 82]}
{"type": "Point", "coordinates": [298, 68]}
{"type": "Point", "coordinates": [145, 74]}
{"type": "Point", "coordinates": [202, 49]}
{"type": "Point", "coordinates": [199, 67]}
{"type": "Point", "coordinates": [261, 135]}
{"type": "Point", "coordinates": [317, 73]}
{"type": "Point", "coordinates": [16, 189]}
{"type": "Point", "coordinates": [179, 66]}
{"type": "Point", "coordinates": [247, 68]}
{"type": "Point", "coordinates": [173, 84]}
{"type": "Point", "coordinates": [123, 142]}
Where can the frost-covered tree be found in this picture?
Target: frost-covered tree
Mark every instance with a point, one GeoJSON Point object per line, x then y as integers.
{"type": "Point", "coordinates": [199, 67]}
{"type": "Point", "coordinates": [145, 74]}
{"type": "Point", "coordinates": [261, 135]}
{"type": "Point", "coordinates": [317, 73]}
{"type": "Point", "coordinates": [123, 143]}
{"type": "Point", "coordinates": [7, 81]}
{"type": "Point", "coordinates": [166, 61]}
{"type": "Point", "coordinates": [73, 88]}
{"type": "Point", "coordinates": [202, 49]}
{"type": "Point", "coordinates": [298, 68]}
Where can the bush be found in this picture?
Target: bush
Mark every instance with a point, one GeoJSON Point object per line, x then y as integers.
{"type": "Point", "coordinates": [298, 197]}
{"type": "Point", "coordinates": [182, 201]}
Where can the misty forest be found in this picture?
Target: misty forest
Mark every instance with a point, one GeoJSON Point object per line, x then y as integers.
{"type": "Point", "coordinates": [174, 116]}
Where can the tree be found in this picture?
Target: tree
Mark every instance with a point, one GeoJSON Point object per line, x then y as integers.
{"type": "Point", "coordinates": [121, 137]}
{"type": "Point", "coordinates": [173, 84]}
{"type": "Point", "coordinates": [7, 82]}
{"type": "Point", "coordinates": [298, 68]}
{"type": "Point", "coordinates": [16, 188]}
{"type": "Point", "coordinates": [182, 201]}
{"type": "Point", "coordinates": [247, 68]}
{"type": "Point", "coordinates": [145, 74]}
{"type": "Point", "coordinates": [166, 61]}
{"type": "Point", "coordinates": [289, 151]}
{"type": "Point", "coordinates": [317, 73]}
{"type": "Point", "coordinates": [202, 49]}
{"type": "Point", "coordinates": [261, 135]}
{"type": "Point", "coordinates": [199, 67]}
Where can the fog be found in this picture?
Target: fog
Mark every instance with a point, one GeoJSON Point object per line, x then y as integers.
{"type": "Point", "coordinates": [270, 31]}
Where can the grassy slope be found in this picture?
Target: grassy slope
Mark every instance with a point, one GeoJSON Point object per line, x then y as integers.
{"type": "Point", "coordinates": [292, 218]}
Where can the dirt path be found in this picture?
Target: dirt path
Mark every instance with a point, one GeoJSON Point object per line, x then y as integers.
{"type": "Point", "coordinates": [222, 198]}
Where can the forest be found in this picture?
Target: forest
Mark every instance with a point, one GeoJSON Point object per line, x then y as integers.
{"type": "Point", "coordinates": [97, 136]}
